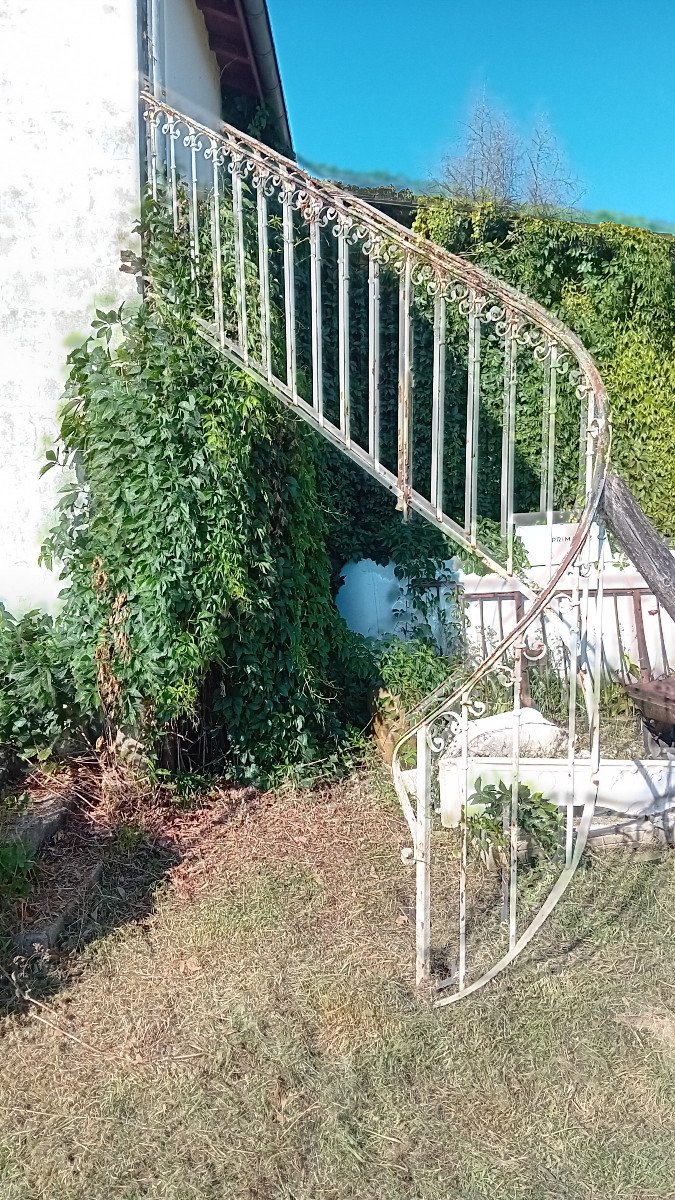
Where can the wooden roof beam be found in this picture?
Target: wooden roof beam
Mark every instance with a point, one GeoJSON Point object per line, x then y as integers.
{"type": "Point", "coordinates": [219, 15]}
{"type": "Point", "coordinates": [229, 51]}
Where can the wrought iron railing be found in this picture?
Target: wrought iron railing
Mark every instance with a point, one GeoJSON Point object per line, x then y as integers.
{"type": "Point", "coordinates": [469, 402]}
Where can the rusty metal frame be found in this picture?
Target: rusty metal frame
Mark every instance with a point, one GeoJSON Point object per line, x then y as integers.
{"type": "Point", "coordinates": [424, 271]}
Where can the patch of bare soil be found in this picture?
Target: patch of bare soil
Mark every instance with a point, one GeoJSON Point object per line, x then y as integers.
{"type": "Point", "coordinates": [64, 872]}
{"type": "Point", "coordinates": [143, 836]}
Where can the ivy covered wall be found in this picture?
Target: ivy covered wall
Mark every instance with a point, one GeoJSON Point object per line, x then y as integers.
{"type": "Point", "coordinates": [615, 287]}
{"type": "Point", "coordinates": [197, 606]}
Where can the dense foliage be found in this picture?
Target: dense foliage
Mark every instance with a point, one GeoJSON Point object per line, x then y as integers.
{"type": "Point", "coordinates": [197, 607]}
{"type": "Point", "coordinates": [37, 695]}
{"type": "Point", "coordinates": [201, 527]}
{"type": "Point", "coordinates": [410, 669]}
{"type": "Point", "coordinates": [615, 287]}
{"type": "Point", "coordinates": [198, 593]}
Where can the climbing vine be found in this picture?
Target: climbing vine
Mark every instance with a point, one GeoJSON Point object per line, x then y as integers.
{"type": "Point", "coordinates": [615, 287]}
{"type": "Point", "coordinates": [201, 527]}
{"type": "Point", "coordinates": [197, 602]}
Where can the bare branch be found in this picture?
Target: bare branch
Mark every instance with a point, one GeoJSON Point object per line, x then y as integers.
{"type": "Point", "coordinates": [548, 184]}
{"type": "Point", "coordinates": [496, 164]}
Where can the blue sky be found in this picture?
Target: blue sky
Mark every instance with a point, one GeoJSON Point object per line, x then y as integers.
{"type": "Point", "coordinates": [386, 85]}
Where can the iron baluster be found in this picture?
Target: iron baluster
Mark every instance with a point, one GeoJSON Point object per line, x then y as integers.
{"type": "Point", "coordinates": [239, 260]}
{"type": "Point", "coordinates": [317, 344]}
{"type": "Point", "coordinates": [289, 293]}
{"type": "Point", "coordinates": [404, 387]}
{"type": "Point", "coordinates": [472, 419]}
{"type": "Point", "coordinates": [438, 406]}
{"type": "Point", "coordinates": [423, 856]}
{"type": "Point", "coordinates": [264, 282]}
{"type": "Point", "coordinates": [509, 442]}
{"type": "Point", "coordinates": [216, 248]}
{"type": "Point", "coordinates": [374, 359]}
{"type": "Point", "coordinates": [343, 334]}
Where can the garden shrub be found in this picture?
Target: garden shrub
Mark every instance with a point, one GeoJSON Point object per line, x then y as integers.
{"type": "Point", "coordinates": [38, 708]}
{"type": "Point", "coordinates": [411, 669]}
{"type": "Point", "coordinates": [197, 595]}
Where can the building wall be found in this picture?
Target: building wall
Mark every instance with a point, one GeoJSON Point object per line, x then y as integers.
{"type": "Point", "coordinates": [69, 197]}
{"type": "Point", "coordinates": [189, 69]}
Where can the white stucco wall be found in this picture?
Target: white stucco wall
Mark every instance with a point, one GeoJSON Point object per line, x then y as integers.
{"type": "Point", "coordinates": [69, 197]}
{"type": "Point", "coordinates": [189, 69]}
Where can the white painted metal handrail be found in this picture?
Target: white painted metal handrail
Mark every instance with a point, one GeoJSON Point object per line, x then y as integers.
{"type": "Point", "coordinates": [254, 223]}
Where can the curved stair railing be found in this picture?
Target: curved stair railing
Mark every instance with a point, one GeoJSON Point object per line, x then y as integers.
{"type": "Point", "coordinates": [478, 410]}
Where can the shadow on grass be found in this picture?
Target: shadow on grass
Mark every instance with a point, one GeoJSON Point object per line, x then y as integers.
{"type": "Point", "coordinates": [610, 896]}
{"type": "Point", "coordinates": [125, 894]}
{"type": "Point", "coordinates": [107, 867]}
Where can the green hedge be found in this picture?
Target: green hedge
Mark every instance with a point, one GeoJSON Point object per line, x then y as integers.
{"type": "Point", "coordinates": [615, 287]}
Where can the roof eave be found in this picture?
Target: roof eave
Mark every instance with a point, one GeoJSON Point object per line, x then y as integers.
{"type": "Point", "coordinates": [262, 43]}
{"type": "Point", "coordinates": [240, 36]}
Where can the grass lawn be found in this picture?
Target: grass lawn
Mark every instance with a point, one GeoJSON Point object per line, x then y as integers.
{"type": "Point", "coordinates": [256, 1034]}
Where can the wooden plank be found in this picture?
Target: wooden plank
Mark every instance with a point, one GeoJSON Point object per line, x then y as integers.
{"type": "Point", "coordinates": [643, 544]}
{"type": "Point", "coordinates": [221, 11]}
{"type": "Point", "coordinates": [232, 53]}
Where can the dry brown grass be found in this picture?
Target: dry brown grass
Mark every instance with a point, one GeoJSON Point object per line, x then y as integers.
{"type": "Point", "coordinates": [257, 1035]}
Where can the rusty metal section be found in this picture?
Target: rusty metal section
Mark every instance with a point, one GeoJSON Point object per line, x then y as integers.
{"type": "Point", "coordinates": [655, 698]}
